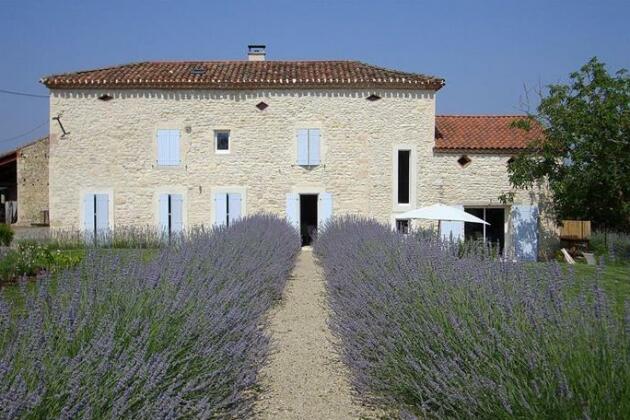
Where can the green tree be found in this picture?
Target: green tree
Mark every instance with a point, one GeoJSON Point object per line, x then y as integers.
{"type": "Point", "coordinates": [583, 155]}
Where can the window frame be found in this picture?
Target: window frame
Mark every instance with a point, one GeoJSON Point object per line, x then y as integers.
{"type": "Point", "coordinates": [216, 142]}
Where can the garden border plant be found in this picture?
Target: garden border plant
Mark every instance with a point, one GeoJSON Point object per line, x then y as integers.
{"type": "Point", "coordinates": [436, 335]}
{"type": "Point", "coordinates": [179, 336]}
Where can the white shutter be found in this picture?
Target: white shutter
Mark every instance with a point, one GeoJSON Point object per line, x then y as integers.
{"type": "Point", "coordinates": [293, 210]}
{"type": "Point", "coordinates": [177, 214]}
{"type": "Point", "coordinates": [164, 216]}
{"type": "Point", "coordinates": [313, 147]}
{"type": "Point", "coordinates": [302, 147]}
{"type": "Point", "coordinates": [234, 201]}
{"type": "Point", "coordinates": [452, 230]}
{"type": "Point", "coordinates": [88, 213]}
{"type": "Point", "coordinates": [102, 213]}
{"type": "Point", "coordinates": [525, 232]}
{"type": "Point", "coordinates": [174, 148]}
{"type": "Point", "coordinates": [220, 209]}
{"type": "Point", "coordinates": [325, 209]}
{"type": "Point", "coordinates": [163, 147]}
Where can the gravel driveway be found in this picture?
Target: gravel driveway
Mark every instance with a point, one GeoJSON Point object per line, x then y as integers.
{"type": "Point", "coordinates": [305, 378]}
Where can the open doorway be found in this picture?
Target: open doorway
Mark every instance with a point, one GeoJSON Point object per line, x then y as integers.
{"type": "Point", "coordinates": [308, 218]}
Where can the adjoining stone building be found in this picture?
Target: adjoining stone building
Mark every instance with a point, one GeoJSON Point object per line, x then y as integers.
{"type": "Point", "coordinates": [180, 144]}
{"type": "Point", "coordinates": [24, 184]}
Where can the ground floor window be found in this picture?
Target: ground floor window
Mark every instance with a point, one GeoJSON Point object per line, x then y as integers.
{"type": "Point", "coordinates": [494, 233]}
{"type": "Point", "coordinates": [171, 213]}
{"type": "Point", "coordinates": [402, 226]}
{"type": "Point", "coordinates": [227, 207]}
{"type": "Point", "coordinates": [96, 214]}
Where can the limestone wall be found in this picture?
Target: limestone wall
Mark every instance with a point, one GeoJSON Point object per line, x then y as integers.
{"type": "Point", "coordinates": [32, 182]}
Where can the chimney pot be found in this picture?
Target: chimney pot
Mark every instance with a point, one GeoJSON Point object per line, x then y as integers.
{"type": "Point", "coordinates": [256, 52]}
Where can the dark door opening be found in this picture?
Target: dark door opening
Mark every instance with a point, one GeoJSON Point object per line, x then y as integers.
{"type": "Point", "coordinates": [494, 233]}
{"type": "Point", "coordinates": [308, 218]}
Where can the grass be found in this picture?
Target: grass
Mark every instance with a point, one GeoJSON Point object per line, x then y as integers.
{"type": "Point", "coordinates": [614, 279]}
{"type": "Point", "coordinates": [11, 290]}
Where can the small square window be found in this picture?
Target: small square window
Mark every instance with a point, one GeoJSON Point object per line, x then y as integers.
{"type": "Point", "coordinates": [402, 226]}
{"type": "Point", "coordinates": [222, 141]}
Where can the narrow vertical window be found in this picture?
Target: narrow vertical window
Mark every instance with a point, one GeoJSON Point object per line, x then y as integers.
{"type": "Point", "coordinates": [404, 158]}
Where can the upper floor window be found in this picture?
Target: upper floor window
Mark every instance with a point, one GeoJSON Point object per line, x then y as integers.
{"type": "Point", "coordinates": [222, 141]}
{"type": "Point", "coordinates": [404, 175]}
{"type": "Point", "coordinates": [308, 147]}
{"type": "Point", "coordinates": [168, 147]}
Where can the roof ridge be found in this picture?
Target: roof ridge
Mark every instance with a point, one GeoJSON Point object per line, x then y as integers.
{"type": "Point", "coordinates": [110, 67]}
{"type": "Point", "coordinates": [242, 74]}
{"type": "Point", "coordinates": [400, 71]}
{"type": "Point", "coordinates": [480, 115]}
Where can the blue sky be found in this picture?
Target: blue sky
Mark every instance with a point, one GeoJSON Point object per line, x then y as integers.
{"type": "Point", "coordinates": [486, 50]}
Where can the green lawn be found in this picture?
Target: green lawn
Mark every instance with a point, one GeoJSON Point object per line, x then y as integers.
{"type": "Point", "coordinates": [614, 279]}
{"type": "Point", "coordinates": [10, 289]}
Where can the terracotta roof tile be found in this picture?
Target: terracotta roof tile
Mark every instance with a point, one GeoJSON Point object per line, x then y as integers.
{"type": "Point", "coordinates": [482, 132]}
{"type": "Point", "coordinates": [243, 75]}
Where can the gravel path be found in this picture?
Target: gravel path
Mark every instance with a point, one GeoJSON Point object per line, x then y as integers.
{"type": "Point", "coordinates": [305, 378]}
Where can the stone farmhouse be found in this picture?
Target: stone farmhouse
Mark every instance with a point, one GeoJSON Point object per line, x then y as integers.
{"type": "Point", "coordinates": [180, 144]}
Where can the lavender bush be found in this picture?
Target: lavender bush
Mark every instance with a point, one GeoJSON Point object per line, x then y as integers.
{"type": "Point", "coordinates": [442, 336]}
{"type": "Point", "coordinates": [613, 246]}
{"type": "Point", "coordinates": [179, 336]}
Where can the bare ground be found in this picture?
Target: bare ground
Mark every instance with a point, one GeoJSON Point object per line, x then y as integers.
{"type": "Point", "coordinates": [305, 377]}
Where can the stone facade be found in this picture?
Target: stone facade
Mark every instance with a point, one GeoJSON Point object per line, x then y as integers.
{"type": "Point", "coordinates": [32, 182]}
{"type": "Point", "coordinates": [111, 147]}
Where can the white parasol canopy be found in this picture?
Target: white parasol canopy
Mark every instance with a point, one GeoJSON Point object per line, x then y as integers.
{"type": "Point", "coordinates": [441, 212]}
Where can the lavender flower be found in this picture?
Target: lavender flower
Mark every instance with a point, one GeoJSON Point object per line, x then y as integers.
{"type": "Point", "coordinates": [182, 335]}
{"type": "Point", "coordinates": [437, 330]}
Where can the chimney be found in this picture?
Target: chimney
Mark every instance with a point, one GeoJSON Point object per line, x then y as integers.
{"type": "Point", "coordinates": [256, 52]}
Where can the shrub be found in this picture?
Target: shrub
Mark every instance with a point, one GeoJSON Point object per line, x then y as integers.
{"type": "Point", "coordinates": [443, 336]}
{"type": "Point", "coordinates": [6, 234]}
{"type": "Point", "coordinates": [179, 336]}
{"type": "Point", "coordinates": [614, 246]}
{"type": "Point", "coordinates": [30, 258]}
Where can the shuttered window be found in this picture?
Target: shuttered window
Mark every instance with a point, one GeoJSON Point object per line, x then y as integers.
{"type": "Point", "coordinates": [227, 208]}
{"type": "Point", "coordinates": [171, 213]}
{"type": "Point", "coordinates": [168, 147]}
{"type": "Point", "coordinates": [308, 147]}
{"type": "Point", "coordinates": [96, 214]}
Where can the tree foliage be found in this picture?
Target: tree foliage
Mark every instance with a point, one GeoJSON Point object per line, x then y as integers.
{"type": "Point", "coordinates": [584, 154]}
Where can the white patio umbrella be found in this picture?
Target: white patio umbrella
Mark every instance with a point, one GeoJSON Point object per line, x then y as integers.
{"type": "Point", "coordinates": [440, 212]}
